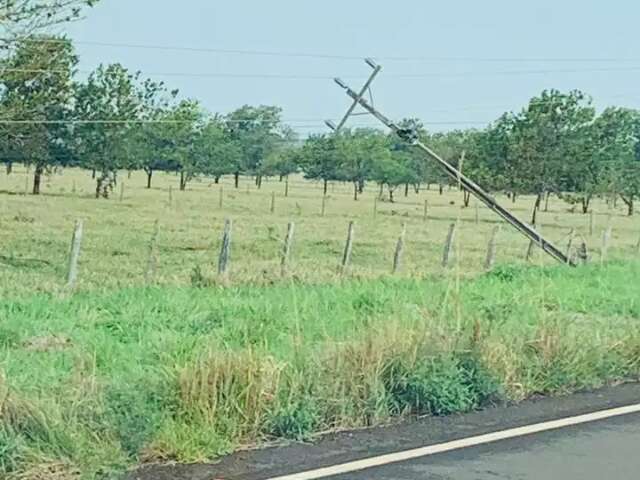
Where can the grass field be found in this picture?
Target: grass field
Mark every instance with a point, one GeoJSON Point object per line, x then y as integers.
{"type": "Point", "coordinates": [120, 372]}
{"type": "Point", "coordinates": [97, 382]}
{"type": "Point", "coordinates": [35, 232]}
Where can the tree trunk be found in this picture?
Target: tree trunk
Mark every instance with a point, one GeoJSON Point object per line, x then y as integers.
{"type": "Point", "coordinates": [391, 200]}
{"type": "Point", "coordinates": [98, 187]}
{"type": "Point", "coordinates": [236, 179]}
{"type": "Point", "coordinates": [585, 204]}
{"type": "Point", "coordinates": [259, 181]}
{"type": "Point", "coordinates": [281, 177]}
{"type": "Point", "coordinates": [513, 197]}
{"type": "Point", "coordinates": [546, 202]}
{"type": "Point", "coordinates": [536, 207]}
{"type": "Point", "coordinates": [93, 173]}
{"type": "Point", "coordinates": [183, 181]}
{"type": "Point", "coordinates": [416, 188]}
{"type": "Point", "coordinates": [37, 179]}
{"type": "Point", "coordinates": [441, 188]}
{"type": "Point", "coordinates": [9, 168]}
{"type": "Point", "coordinates": [325, 186]}
{"type": "Point", "coordinates": [466, 197]}
{"type": "Point", "coordinates": [381, 190]}
{"type": "Point", "coordinates": [355, 191]}
{"type": "Point", "coordinates": [216, 179]}
{"type": "Point", "coordinates": [406, 189]}
{"type": "Point", "coordinates": [360, 186]}
{"type": "Point", "coordinates": [629, 203]}
{"type": "Point", "coordinates": [149, 175]}
{"type": "Point", "coordinates": [129, 174]}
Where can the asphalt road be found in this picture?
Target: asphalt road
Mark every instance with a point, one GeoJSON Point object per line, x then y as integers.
{"type": "Point", "coordinates": [603, 450]}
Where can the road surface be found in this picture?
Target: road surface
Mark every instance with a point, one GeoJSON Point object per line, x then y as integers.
{"type": "Point", "coordinates": [602, 450]}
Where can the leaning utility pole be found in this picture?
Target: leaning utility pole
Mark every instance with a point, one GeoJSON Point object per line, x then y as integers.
{"type": "Point", "coordinates": [411, 137]}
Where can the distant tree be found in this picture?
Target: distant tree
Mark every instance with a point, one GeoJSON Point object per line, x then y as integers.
{"type": "Point", "coordinates": [360, 150]}
{"type": "Point", "coordinates": [37, 88]}
{"type": "Point", "coordinates": [216, 153]}
{"type": "Point", "coordinates": [320, 159]}
{"type": "Point", "coordinates": [108, 105]}
{"type": "Point", "coordinates": [258, 131]}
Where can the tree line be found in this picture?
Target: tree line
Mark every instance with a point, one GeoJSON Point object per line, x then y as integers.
{"type": "Point", "coordinates": [115, 119]}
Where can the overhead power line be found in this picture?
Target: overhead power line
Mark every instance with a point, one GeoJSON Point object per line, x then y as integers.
{"type": "Point", "coordinates": [293, 54]}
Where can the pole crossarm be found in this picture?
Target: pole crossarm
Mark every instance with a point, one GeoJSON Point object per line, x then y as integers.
{"type": "Point", "coordinates": [411, 137]}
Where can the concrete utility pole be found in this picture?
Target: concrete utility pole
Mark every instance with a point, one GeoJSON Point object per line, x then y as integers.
{"type": "Point", "coordinates": [410, 136]}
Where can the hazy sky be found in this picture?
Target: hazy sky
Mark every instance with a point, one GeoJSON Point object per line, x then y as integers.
{"type": "Point", "coordinates": [470, 60]}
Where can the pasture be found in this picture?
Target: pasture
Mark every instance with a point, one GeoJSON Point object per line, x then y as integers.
{"type": "Point", "coordinates": [36, 231]}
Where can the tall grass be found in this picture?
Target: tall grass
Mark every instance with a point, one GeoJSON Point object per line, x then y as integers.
{"type": "Point", "coordinates": [95, 383]}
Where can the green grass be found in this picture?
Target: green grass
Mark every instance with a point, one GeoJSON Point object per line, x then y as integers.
{"type": "Point", "coordinates": [96, 382]}
{"type": "Point", "coordinates": [35, 232]}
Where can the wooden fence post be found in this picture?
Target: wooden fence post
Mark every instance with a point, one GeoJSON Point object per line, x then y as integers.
{"type": "Point", "coordinates": [223, 259]}
{"type": "Point", "coordinates": [492, 248]}
{"type": "Point", "coordinates": [606, 238]}
{"type": "Point", "coordinates": [152, 261]}
{"type": "Point", "coordinates": [375, 206]}
{"type": "Point", "coordinates": [324, 205]}
{"type": "Point", "coordinates": [273, 202]}
{"type": "Point", "coordinates": [572, 235]}
{"type": "Point", "coordinates": [74, 255]}
{"type": "Point", "coordinates": [286, 248]}
{"type": "Point", "coordinates": [346, 256]}
{"type": "Point", "coordinates": [397, 256]}
{"type": "Point", "coordinates": [448, 245]}
{"type": "Point", "coordinates": [286, 186]}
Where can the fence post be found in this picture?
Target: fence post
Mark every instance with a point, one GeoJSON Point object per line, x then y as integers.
{"type": "Point", "coordinates": [572, 235]}
{"type": "Point", "coordinates": [491, 248]}
{"type": "Point", "coordinates": [375, 206]}
{"type": "Point", "coordinates": [74, 255]}
{"type": "Point", "coordinates": [286, 186]}
{"type": "Point", "coordinates": [583, 252]}
{"type": "Point", "coordinates": [286, 248]}
{"type": "Point", "coordinates": [273, 202]}
{"type": "Point", "coordinates": [448, 244]}
{"type": "Point", "coordinates": [397, 256]}
{"type": "Point", "coordinates": [152, 261]}
{"type": "Point", "coordinates": [477, 214]}
{"type": "Point", "coordinates": [426, 210]}
{"type": "Point", "coordinates": [324, 205]}
{"type": "Point", "coordinates": [592, 222]}
{"type": "Point", "coordinates": [346, 257]}
{"type": "Point", "coordinates": [223, 259]}
{"type": "Point", "coordinates": [606, 237]}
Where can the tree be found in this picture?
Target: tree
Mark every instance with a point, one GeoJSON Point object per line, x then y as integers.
{"type": "Point", "coordinates": [37, 84]}
{"type": "Point", "coordinates": [217, 154]}
{"type": "Point", "coordinates": [108, 105]}
{"type": "Point", "coordinates": [542, 137]}
{"type": "Point", "coordinates": [360, 150]}
{"type": "Point", "coordinates": [625, 168]}
{"type": "Point", "coordinates": [258, 131]}
{"type": "Point", "coordinates": [320, 159]}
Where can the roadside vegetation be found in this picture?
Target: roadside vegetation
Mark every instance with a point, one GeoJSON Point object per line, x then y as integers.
{"type": "Point", "coordinates": [97, 382]}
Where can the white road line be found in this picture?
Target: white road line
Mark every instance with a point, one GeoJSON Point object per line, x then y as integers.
{"type": "Point", "coordinates": [458, 444]}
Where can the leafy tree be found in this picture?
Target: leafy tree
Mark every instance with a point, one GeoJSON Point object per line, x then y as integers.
{"type": "Point", "coordinates": [542, 137]}
{"type": "Point", "coordinates": [37, 86]}
{"type": "Point", "coordinates": [320, 159]}
{"type": "Point", "coordinates": [360, 150]}
{"type": "Point", "coordinates": [258, 131]}
{"type": "Point", "coordinates": [108, 104]}
{"type": "Point", "coordinates": [216, 152]}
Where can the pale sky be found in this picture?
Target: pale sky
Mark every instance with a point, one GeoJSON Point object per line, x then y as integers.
{"type": "Point", "coordinates": [470, 60]}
